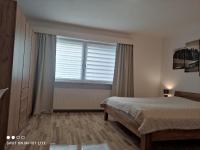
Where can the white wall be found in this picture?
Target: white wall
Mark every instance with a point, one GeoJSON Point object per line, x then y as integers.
{"type": "Point", "coordinates": [77, 98]}
{"type": "Point", "coordinates": [147, 64]}
{"type": "Point", "coordinates": [178, 79]}
{"type": "Point", "coordinates": [75, 31]}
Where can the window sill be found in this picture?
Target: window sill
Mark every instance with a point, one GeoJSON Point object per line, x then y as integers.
{"type": "Point", "coordinates": [82, 85]}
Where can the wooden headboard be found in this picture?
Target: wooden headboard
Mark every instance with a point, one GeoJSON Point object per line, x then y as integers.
{"type": "Point", "coordinates": [188, 95]}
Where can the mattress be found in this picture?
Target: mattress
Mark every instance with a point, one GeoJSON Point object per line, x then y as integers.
{"type": "Point", "coordinates": [160, 113]}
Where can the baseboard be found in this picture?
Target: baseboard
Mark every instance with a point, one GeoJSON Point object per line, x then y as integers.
{"type": "Point", "coordinates": [78, 110]}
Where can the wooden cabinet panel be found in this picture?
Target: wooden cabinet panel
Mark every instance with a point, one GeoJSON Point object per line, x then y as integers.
{"type": "Point", "coordinates": [23, 118]}
{"type": "Point", "coordinates": [23, 112]}
{"type": "Point", "coordinates": [23, 105]}
{"type": "Point", "coordinates": [7, 18]}
{"type": "Point", "coordinates": [17, 74]}
{"type": "Point", "coordinates": [27, 54]}
{"type": "Point", "coordinates": [24, 93]}
{"type": "Point", "coordinates": [6, 56]}
{"type": "Point", "coordinates": [27, 87]}
{"type": "Point", "coordinates": [7, 32]}
{"type": "Point", "coordinates": [32, 74]}
{"type": "Point", "coordinates": [24, 62]}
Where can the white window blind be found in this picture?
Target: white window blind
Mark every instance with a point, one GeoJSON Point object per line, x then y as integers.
{"type": "Point", "coordinates": [84, 61]}
{"type": "Point", "coordinates": [100, 62]}
{"type": "Point", "coordinates": [68, 59]}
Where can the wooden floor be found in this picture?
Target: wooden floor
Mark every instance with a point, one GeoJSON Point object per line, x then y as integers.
{"type": "Point", "coordinates": [73, 131]}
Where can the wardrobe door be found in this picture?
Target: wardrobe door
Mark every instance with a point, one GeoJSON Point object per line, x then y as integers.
{"type": "Point", "coordinates": [27, 55]}
{"type": "Point", "coordinates": [32, 74]}
{"type": "Point", "coordinates": [25, 78]}
{"type": "Point", "coordinates": [15, 95]}
{"type": "Point", "coordinates": [7, 33]}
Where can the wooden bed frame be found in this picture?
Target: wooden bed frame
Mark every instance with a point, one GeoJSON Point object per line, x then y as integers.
{"type": "Point", "coordinates": [165, 135]}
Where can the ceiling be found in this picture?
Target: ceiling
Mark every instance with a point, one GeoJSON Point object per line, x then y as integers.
{"type": "Point", "coordinates": [159, 17]}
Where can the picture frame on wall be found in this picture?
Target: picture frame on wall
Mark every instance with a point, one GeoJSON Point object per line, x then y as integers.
{"type": "Point", "coordinates": [179, 59]}
{"type": "Point", "coordinates": [188, 58]}
{"type": "Point", "coordinates": [192, 56]}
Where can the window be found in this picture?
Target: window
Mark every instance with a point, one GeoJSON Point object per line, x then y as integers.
{"type": "Point", "coordinates": [83, 61]}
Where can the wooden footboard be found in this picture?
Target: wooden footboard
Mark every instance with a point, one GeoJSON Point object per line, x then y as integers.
{"type": "Point", "coordinates": [129, 123]}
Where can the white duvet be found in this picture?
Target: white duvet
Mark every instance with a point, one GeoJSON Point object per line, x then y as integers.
{"type": "Point", "coordinates": [161, 113]}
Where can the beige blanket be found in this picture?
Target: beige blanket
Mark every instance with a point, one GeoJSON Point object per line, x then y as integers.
{"type": "Point", "coordinates": [155, 114]}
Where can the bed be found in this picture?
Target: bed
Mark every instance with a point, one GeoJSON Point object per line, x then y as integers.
{"type": "Point", "coordinates": [157, 119]}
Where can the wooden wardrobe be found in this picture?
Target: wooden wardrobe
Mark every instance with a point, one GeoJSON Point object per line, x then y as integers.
{"type": "Point", "coordinates": [21, 70]}
{"type": "Point", "coordinates": [24, 61]}
{"type": "Point", "coordinates": [7, 34]}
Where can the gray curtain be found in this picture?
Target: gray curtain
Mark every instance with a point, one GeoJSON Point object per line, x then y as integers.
{"type": "Point", "coordinates": [123, 82]}
{"type": "Point", "coordinates": [45, 73]}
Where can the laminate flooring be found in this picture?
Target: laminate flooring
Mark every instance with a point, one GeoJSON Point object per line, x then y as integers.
{"type": "Point", "coordinates": [84, 131]}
